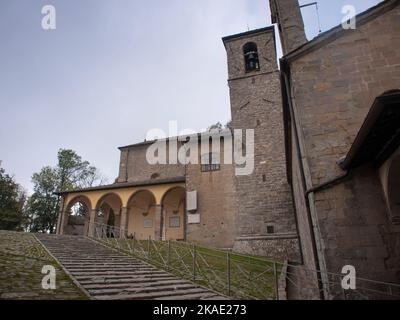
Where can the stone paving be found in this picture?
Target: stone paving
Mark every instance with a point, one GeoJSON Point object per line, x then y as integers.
{"type": "Point", "coordinates": [21, 260]}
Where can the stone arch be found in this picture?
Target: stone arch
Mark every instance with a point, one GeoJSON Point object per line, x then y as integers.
{"type": "Point", "coordinates": [108, 211]}
{"type": "Point", "coordinates": [173, 204]}
{"type": "Point", "coordinates": [77, 224]}
{"type": "Point", "coordinates": [142, 219]}
{"type": "Point", "coordinates": [112, 198]}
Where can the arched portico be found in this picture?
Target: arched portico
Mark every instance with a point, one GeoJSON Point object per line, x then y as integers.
{"type": "Point", "coordinates": [143, 215]}
{"type": "Point", "coordinates": [173, 214]}
{"type": "Point", "coordinates": [108, 213]}
{"type": "Point", "coordinates": [76, 216]}
{"type": "Point", "coordinates": [136, 207]}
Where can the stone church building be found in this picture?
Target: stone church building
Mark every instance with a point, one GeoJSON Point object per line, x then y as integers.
{"type": "Point", "coordinates": [325, 189]}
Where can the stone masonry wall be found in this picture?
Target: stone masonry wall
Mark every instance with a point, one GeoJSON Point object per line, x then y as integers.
{"type": "Point", "coordinates": [215, 193]}
{"type": "Point", "coordinates": [264, 197]}
{"type": "Point", "coordinates": [216, 205]}
{"type": "Point", "coordinates": [135, 167]}
{"type": "Point", "coordinates": [333, 89]}
{"type": "Point", "coordinates": [291, 26]}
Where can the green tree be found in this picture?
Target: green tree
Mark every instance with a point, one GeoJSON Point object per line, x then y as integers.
{"type": "Point", "coordinates": [71, 172]}
{"type": "Point", "coordinates": [12, 199]}
{"type": "Point", "coordinates": [216, 126]}
{"type": "Point", "coordinates": [220, 126]}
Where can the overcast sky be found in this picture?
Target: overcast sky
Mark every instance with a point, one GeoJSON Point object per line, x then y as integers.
{"type": "Point", "coordinates": [112, 70]}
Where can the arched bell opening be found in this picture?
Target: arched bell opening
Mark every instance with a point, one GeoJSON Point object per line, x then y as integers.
{"type": "Point", "coordinates": [251, 59]}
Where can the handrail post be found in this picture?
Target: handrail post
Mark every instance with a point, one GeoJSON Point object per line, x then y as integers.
{"type": "Point", "coordinates": [134, 243]}
{"type": "Point", "coordinates": [148, 247]}
{"type": "Point", "coordinates": [194, 262]}
{"type": "Point", "coordinates": [169, 255]}
{"type": "Point", "coordinates": [343, 290]}
{"type": "Point", "coordinates": [276, 282]}
{"type": "Point", "coordinates": [228, 273]}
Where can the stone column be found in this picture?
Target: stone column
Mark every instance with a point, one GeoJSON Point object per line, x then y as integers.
{"type": "Point", "coordinates": [158, 223]}
{"type": "Point", "coordinates": [124, 222]}
{"type": "Point", "coordinates": [92, 218]}
{"type": "Point", "coordinates": [60, 222]}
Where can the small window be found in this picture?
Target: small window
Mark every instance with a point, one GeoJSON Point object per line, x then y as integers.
{"type": "Point", "coordinates": [210, 162]}
{"type": "Point", "coordinates": [251, 57]}
{"type": "Point", "coordinates": [270, 229]}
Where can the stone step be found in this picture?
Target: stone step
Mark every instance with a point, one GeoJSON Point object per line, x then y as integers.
{"type": "Point", "coordinates": [110, 268]}
{"type": "Point", "coordinates": [117, 273]}
{"type": "Point", "coordinates": [198, 296]}
{"type": "Point", "coordinates": [100, 265]}
{"type": "Point", "coordinates": [143, 289]}
{"type": "Point", "coordinates": [120, 279]}
{"type": "Point", "coordinates": [125, 284]}
{"type": "Point", "coordinates": [90, 260]}
{"type": "Point", "coordinates": [87, 256]}
{"type": "Point", "coordinates": [152, 295]}
{"type": "Point", "coordinates": [74, 263]}
{"type": "Point", "coordinates": [107, 274]}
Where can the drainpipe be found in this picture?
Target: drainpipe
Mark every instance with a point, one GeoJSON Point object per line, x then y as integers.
{"type": "Point", "coordinates": [311, 190]}
{"type": "Point", "coordinates": [303, 179]}
{"type": "Point", "coordinates": [327, 184]}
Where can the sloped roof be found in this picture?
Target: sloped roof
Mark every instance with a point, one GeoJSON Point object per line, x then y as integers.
{"type": "Point", "coordinates": [338, 31]}
{"type": "Point", "coordinates": [379, 135]}
{"type": "Point", "coordinates": [151, 182]}
{"type": "Point", "coordinates": [226, 132]}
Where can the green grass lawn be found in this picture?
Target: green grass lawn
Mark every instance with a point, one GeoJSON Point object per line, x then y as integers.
{"type": "Point", "coordinates": [21, 260]}
{"type": "Point", "coordinates": [236, 275]}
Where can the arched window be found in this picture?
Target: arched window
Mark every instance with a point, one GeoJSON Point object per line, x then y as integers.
{"type": "Point", "coordinates": [251, 57]}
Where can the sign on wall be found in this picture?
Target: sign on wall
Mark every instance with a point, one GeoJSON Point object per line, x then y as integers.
{"type": "Point", "coordinates": [148, 223]}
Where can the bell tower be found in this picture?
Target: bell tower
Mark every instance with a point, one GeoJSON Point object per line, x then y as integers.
{"type": "Point", "coordinates": [266, 221]}
{"type": "Point", "coordinates": [287, 15]}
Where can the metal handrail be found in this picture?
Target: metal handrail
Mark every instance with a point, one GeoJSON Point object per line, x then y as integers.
{"type": "Point", "coordinates": [224, 271]}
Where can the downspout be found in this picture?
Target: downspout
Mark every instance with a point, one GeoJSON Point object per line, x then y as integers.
{"type": "Point", "coordinates": [327, 184]}
{"type": "Point", "coordinates": [311, 190]}
{"type": "Point", "coordinates": [303, 180]}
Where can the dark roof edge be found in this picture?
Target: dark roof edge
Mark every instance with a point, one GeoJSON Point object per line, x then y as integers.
{"type": "Point", "coordinates": [248, 33]}
{"type": "Point", "coordinates": [125, 185]}
{"type": "Point", "coordinates": [336, 32]}
{"type": "Point", "coordinates": [199, 134]}
{"type": "Point", "coordinates": [371, 118]}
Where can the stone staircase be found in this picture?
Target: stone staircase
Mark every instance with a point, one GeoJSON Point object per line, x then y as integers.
{"type": "Point", "coordinates": [106, 274]}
